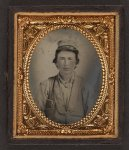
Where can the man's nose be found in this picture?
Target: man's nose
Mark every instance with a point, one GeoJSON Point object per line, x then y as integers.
{"type": "Point", "coordinates": [66, 61]}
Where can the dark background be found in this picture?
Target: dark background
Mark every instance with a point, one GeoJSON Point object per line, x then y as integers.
{"type": "Point", "coordinates": [7, 8]}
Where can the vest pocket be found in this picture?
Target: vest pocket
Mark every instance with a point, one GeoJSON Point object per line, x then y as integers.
{"type": "Point", "coordinates": [50, 109]}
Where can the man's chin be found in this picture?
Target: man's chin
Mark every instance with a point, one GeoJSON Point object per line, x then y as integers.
{"type": "Point", "coordinates": [67, 72]}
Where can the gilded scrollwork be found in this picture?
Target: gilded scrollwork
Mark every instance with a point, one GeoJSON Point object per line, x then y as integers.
{"type": "Point", "coordinates": [99, 30]}
{"type": "Point", "coordinates": [20, 76]}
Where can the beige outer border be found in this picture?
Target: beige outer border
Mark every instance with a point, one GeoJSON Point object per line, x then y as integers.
{"type": "Point", "coordinates": [117, 36]}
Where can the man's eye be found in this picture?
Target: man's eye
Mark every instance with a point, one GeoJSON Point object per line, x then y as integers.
{"type": "Point", "coordinates": [61, 58]}
{"type": "Point", "coordinates": [70, 58]}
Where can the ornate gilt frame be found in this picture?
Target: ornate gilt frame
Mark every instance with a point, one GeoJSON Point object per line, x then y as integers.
{"type": "Point", "coordinates": [102, 30]}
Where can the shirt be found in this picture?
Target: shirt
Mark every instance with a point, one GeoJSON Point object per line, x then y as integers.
{"type": "Point", "coordinates": [66, 88]}
{"type": "Point", "coordinates": [63, 102]}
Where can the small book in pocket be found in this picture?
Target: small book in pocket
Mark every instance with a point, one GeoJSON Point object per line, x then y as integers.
{"type": "Point", "coordinates": [50, 104]}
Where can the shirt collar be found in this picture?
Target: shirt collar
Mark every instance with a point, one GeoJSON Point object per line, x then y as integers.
{"type": "Point", "coordinates": [67, 82]}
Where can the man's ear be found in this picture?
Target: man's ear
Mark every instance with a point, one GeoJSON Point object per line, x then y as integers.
{"type": "Point", "coordinates": [75, 67]}
{"type": "Point", "coordinates": [56, 65]}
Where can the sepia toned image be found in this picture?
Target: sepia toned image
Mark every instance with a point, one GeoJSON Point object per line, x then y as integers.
{"type": "Point", "coordinates": [66, 91]}
{"type": "Point", "coordinates": [66, 75]}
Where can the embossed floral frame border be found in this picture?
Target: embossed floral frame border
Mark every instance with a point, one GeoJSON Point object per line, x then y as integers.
{"type": "Point", "coordinates": [102, 29]}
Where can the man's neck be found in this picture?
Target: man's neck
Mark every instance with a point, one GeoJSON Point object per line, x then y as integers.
{"type": "Point", "coordinates": [66, 77]}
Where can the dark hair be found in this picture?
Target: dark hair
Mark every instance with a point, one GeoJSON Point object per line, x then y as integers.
{"type": "Point", "coordinates": [68, 48]}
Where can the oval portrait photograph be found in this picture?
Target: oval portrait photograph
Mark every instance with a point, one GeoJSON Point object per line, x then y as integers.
{"type": "Point", "coordinates": [65, 76]}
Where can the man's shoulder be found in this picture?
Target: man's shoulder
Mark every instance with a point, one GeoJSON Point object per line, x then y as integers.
{"type": "Point", "coordinates": [79, 78]}
{"type": "Point", "coordinates": [52, 78]}
{"type": "Point", "coordinates": [49, 80]}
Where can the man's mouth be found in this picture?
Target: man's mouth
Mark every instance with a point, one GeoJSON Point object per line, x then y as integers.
{"type": "Point", "coordinates": [67, 69]}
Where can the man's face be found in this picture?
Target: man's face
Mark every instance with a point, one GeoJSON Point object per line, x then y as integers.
{"type": "Point", "coordinates": [66, 62]}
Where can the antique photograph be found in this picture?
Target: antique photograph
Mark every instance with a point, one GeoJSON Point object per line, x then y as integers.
{"type": "Point", "coordinates": [65, 76]}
